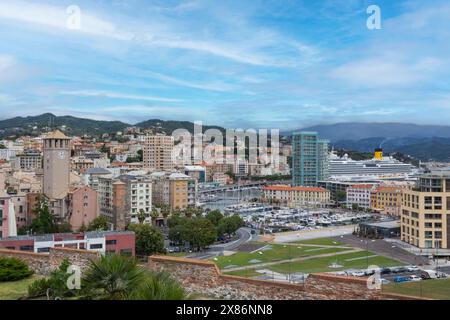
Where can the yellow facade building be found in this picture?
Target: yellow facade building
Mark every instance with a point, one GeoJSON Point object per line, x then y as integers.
{"type": "Point", "coordinates": [425, 216]}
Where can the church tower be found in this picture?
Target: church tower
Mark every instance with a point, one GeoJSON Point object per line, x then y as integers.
{"type": "Point", "coordinates": [56, 165]}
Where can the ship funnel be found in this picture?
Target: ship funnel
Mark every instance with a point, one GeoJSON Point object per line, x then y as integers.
{"type": "Point", "coordinates": [378, 154]}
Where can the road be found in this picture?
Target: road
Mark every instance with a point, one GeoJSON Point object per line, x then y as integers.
{"type": "Point", "coordinates": [244, 236]}
{"type": "Point", "coordinates": [313, 234]}
{"type": "Point", "coordinates": [383, 248]}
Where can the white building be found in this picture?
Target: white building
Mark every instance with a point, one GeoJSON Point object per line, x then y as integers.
{"type": "Point", "coordinates": [360, 195]}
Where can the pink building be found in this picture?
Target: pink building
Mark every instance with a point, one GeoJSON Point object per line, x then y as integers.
{"type": "Point", "coordinates": [8, 226]}
{"type": "Point", "coordinates": [105, 242]}
{"type": "Point", "coordinates": [83, 207]}
{"type": "Point", "coordinates": [20, 208]}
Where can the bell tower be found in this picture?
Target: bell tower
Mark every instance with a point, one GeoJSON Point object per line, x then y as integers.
{"type": "Point", "coordinates": [56, 165]}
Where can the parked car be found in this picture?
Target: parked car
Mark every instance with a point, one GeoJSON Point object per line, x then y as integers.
{"type": "Point", "coordinates": [385, 271]}
{"type": "Point", "coordinates": [384, 281]}
{"type": "Point", "coordinates": [358, 274]}
{"type": "Point", "coordinates": [428, 274]}
{"type": "Point", "coordinates": [399, 270]}
{"type": "Point", "coordinates": [413, 268]}
{"type": "Point", "coordinates": [399, 279]}
{"type": "Point", "coordinates": [415, 278]}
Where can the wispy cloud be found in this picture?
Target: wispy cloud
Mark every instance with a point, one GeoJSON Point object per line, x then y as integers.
{"type": "Point", "coordinates": [115, 95]}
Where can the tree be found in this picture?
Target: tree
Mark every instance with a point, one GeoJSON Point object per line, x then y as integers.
{"type": "Point", "coordinates": [115, 277]}
{"type": "Point", "coordinates": [112, 277]}
{"type": "Point", "coordinates": [12, 269]}
{"type": "Point", "coordinates": [159, 286]}
{"type": "Point", "coordinates": [141, 216]}
{"type": "Point", "coordinates": [44, 222]}
{"type": "Point", "coordinates": [214, 216]}
{"type": "Point", "coordinates": [199, 232]}
{"type": "Point", "coordinates": [54, 286]}
{"type": "Point", "coordinates": [149, 240]}
{"type": "Point", "coordinates": [165, 212]}
{"type": "Point", "coordinates": [154, 214]}
{"type": "Point", "coordinates": [176, 233]}
{"type": "Point", "coordinates": [230, 225]}
{"type": "Point", "coordinates": [64, 227]}
{"type": "Point", "coordinates": [188, 212]}
{"type": "Point", "coordinates": [99, 224]}
{"type": "Point", "coordinates": [341, 195]}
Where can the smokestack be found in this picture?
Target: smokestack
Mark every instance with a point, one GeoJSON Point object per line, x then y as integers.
{"type": "Point", "coordinates": [378, 154]}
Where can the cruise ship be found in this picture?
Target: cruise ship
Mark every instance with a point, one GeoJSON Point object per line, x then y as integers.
{"type": "Point", "coordinates": [378, 166]}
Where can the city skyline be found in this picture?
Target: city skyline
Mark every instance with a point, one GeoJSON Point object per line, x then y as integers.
{"type": "Point", "coordinates": [252, 64]}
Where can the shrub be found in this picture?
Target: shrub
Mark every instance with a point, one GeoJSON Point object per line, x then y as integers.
{"type": "Point", "coordinates": [12, 269]}
{"type": "Point", "coordinates": [55, 284]}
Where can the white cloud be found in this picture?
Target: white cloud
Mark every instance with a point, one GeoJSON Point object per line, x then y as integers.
{"type": "Point", "coordinates": [114, 95]}
{"type": "Point", "coordinates": [166, 33]}
{"type": "Point", "coordinates": [386, 72]}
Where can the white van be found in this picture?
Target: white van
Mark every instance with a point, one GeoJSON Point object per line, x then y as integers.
{"type": "Point", "coordinates": [429, 274]}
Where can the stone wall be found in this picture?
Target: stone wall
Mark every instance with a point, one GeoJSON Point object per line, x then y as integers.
{"type": "Point", "coordinates": [204, 278]}
{"type": "Point", "coordinates": [44, 264]}
{"type": "Point", "coordinates": [38, 262]}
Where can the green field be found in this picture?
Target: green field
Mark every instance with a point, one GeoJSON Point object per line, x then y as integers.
{"type": "Point", "coordinates": [431, 289]}
{"type": "Point", "coordinates": [15, 290]}
{"type": "Point", "coordinates": [322, 264]}
{"type": "Point", "coordinates": [178, 254]}
{"type": "Point", "coordinates": [320, 242]}
{"type": "Point", "coordinates": [278, 252]}
{"type": "Point", "coordinates": [315, 265]}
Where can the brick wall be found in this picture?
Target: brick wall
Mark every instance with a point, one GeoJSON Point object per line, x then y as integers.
{"type": "Point", "coordinates": [204, 278]}
{"type": "Point", "coordinates": [43, 264]}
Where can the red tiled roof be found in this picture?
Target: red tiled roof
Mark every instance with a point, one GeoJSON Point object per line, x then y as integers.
{"type": "Point", "coordinates": [362, 186]}
{"type": "Point", "coordinates": [289, 188]}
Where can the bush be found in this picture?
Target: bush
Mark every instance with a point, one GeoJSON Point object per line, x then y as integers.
{"type": "Point", "coordinates": [12, 269]}
{"type": "Point", "coordinates": [55, 284]}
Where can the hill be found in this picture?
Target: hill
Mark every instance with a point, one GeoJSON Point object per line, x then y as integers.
{"type": "Point", "coordinates": [359, 131]}
{"type": "Point", "coordinates": [35, 125]}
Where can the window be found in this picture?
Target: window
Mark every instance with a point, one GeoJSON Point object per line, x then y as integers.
{"type": "Point", "coordinates": [126, 252]}
{"type": "Point", "coordinates": [111, 242]}
{"type": "Point", "coordinates": [43, 250]}
{"type": "Point", "coordinates": [26, 248]}
{"type": "Point", "coordinates": [96, 246]}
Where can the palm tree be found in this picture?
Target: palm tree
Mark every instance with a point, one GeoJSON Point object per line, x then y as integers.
{"type": "Point", "coordinates": [165, 211]}
{"type": "Point", "coordinates": [141, 216]}
{"type": "Point", "coordinates": [112, 277]}
{"type": "Point", "coordinates": [159, 286]}
{"type": "Point", "coordinates": [198, 212]}
{"type": "Point", "coordinates": [188, 212]}
{"type": "Point", "coordinates": [115, 277]}
{"type": "Point", "coordinates": [154, 214]}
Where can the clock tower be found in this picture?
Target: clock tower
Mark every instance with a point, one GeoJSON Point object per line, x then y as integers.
{"type": "Point", "coordinates": [56, 165]}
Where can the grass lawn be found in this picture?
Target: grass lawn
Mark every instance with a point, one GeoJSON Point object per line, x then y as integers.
{"type": "Point", "coordinates": [345, 260]}
{"type": "Point", "coordinates": [433, 289]}
{"type": "Point", "coordinates": [320, 241]}
{"type": "Point", "coordinates": [248, 273]}
{"type": "Point", "coordinates": [178, 254]}
{"type": "Point", "coordinates": [276, 253]}
{"type": "Point", "coordinates": [15, 290]}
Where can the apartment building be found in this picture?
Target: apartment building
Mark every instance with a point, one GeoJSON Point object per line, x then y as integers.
{"type": "Point", "coordinates": [83, 206]}
{"type": "Point", "coordinates": [28, 160]}
{"type": "Point", "coordinates": [104, 242]}
{"type": "Point", "coordinates": [387, 200]}
{"type": "Point", "coordinates": [121, 199]}
{"type": "Point", "coordinates": [157, 152]}
{"type": "Point", "coordinates": [425, 212]}
{"type": "Point", "coordinates": [310, 159]}
{"type": "Point", "coordinates": [174, 189]}
{"type": "Point", "coordinates": [360, 195]}
{"type": "Point", "coordinates": [297, 197]}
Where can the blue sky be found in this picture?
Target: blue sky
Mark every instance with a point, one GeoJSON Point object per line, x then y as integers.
{"type": "Point", "coordinates": [282, 64]}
